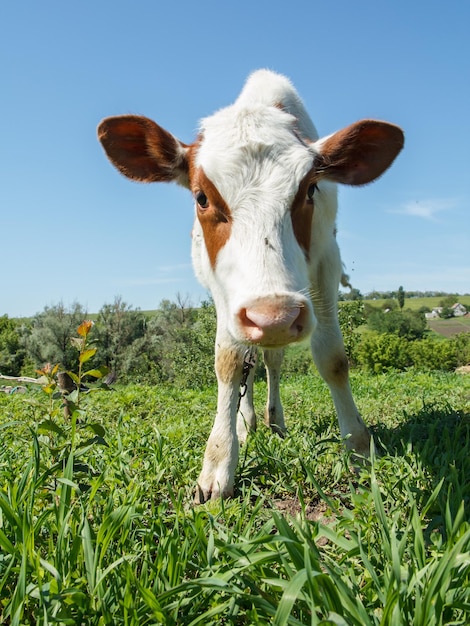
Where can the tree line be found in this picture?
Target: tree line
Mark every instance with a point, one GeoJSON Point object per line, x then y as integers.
{"type": "Point", "coordinates": [355, 294]}
{"type": "Point", "coordinates": [175, 344]}
{"type": "Point", "coordinates": [171, 344]}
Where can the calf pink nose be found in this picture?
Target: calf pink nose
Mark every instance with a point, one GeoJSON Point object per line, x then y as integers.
{"type": "Point", "coordinates": [269, 322]}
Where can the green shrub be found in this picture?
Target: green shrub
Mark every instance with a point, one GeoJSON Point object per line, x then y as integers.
{"type": "Point", "coordinates": [351, 315]}
{"type": "Point", "coordinates": [11, 353]}
{"type": "Point", "coordinates": [189, 350]}
{"type": "Point", "coordinates": [384, 352]}
{"type": "Point", "coordinates": [380, 353]}
{"type": "Point", "coordinates": [407, 323]}
{"type": "Point", "coordinates": [432, 354]}
{"type": "Point", "coordinates": [461, 342]}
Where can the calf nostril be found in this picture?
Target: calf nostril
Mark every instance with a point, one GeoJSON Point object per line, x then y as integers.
{"type": "Point", "coordinates": [270, 317]}
{"type": "Point", "coordinates": [245, 318]}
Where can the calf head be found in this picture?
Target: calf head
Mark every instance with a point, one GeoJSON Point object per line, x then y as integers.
{"type": "Point", "coordinates": [263, 183]}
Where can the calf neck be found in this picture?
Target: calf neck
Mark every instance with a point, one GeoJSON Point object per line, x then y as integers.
{"type": "Point", "coordinates": [263, 242]}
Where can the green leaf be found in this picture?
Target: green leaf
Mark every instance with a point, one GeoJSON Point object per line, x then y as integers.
{"type": "Point", "coordinates": [47, 426]}
{"type": "Point", "coordinates": [98, 372]}
{"type": "Point", "coordinates": [67, 483]}
{"type": "Point", "coordinates": [73, 396]}
{"type": "Point", "coordinates": [74, 377]}
{"type": "Point", "coordinates": [93, 441]}
{"type": "Point", "coordinates": [289, 596]}
{"type": "Point", "coordinates": [98, 429]}
{"type": "Point", "coordinates": [87, 354]}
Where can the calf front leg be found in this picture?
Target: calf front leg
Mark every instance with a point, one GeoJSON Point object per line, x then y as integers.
{"type": "Point", "coordinates": [274, 413]}
{"type": "Point", "coordinates": [246, 418]}
{"type": "Point", "coordinates": [332, 363]}
{"type": "Point", "coordinates": [221, 456]}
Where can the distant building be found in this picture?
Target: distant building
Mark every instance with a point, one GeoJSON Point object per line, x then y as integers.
{"type": "Point", "coordinates": [434, 314]}
{"type": "Point", "coordinates": [458, 309]}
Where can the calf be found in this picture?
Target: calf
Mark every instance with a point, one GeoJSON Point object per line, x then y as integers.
{"type": "Point", "coordinates": [263, 242]}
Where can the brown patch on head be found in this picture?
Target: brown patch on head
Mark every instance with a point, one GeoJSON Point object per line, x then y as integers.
{"type": "Point", "coordinates": [213, 213]}
{"type": "Point", "coordinates": [302, 212]}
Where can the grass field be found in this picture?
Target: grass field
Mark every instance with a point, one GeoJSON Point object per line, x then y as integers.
{"type": "Point", "coordinates": [444, 327]}
{"type": "Point", "coordinates": [97, 524]}
{"type": "Point", "coordinates": [417, 303]}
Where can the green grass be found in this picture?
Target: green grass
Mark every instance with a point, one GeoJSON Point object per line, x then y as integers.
{"type": "Point", "coordinates": [97, 524]}
{"type": "Point", "coordinates": [416, 303]}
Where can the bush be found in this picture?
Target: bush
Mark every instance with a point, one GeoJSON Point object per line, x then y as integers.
{"type": "Point", "coordinates": [11, 353]}
{"type": "Point", "coordinates": [380, 353]}
{"type": "Point", "coordinates": [461, 342]}
{"type": "Point", "coordinates": [191, 354]}
{"type": "Point", "coordinates": [383, 352]}
{"type": "Point", "coordinates": [350, 317]}
{"type": "Point", "coordinates": [434, 354]}
{"type": "Point", "coordinates": [409, 324]}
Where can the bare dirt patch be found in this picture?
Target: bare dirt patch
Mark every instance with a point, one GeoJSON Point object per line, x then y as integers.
{"type": "Point", "coordinates": [315, 512]}
{"type": "Point", "coordinates": [450, 327]}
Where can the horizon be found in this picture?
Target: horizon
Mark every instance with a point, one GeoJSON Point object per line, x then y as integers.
{"type": "Point", "coordinates": [367, 297]}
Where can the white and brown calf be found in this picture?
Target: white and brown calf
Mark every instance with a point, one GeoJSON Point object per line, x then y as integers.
{"type": "Point", "coordinates": [263, 242]}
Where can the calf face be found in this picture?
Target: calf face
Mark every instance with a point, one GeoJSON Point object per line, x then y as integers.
{"type": "Point", "coordinates": [264, 187]}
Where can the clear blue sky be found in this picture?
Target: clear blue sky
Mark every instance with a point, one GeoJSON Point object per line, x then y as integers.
{"type": "Point", "coordinates": [73, 229]}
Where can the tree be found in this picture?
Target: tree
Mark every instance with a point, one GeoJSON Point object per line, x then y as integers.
{"type": "Point", "coordinates": [401, 297]}
{"type": "Point", "coordinates": [49, 340]}
{"type": "Point", "coordinates": [12, 353]}
{"type": "Point", "coordinates": [389, 304]}
{"type": "Point", "coordinates": [118, 327]}
{"type": "Point", "coordinates": [408, 324]}
{"type": "Point", "coordinates": [446, 312]}
{"type": "Point", "coordinates": [449, 301]}
{"type": "Point", "coordinates": [354, 294]}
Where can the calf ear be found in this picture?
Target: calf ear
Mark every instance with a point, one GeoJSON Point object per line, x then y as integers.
{"type": "Point", "coordinates": [360, 153]}
{"type": "Point", "coordinates": [143, 151]}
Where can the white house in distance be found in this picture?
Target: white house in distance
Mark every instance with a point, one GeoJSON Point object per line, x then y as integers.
{"type": "Point", "coordinates": [457, 309]}
{"type": "Point", "coordinates": [434, 314]}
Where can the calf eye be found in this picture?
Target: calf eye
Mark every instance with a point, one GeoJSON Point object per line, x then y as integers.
{"type": "Point", "coordinates": [202, 200]}
{"type": "Point", "coordinates": [311, 190]}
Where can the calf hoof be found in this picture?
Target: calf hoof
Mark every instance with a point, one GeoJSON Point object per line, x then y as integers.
{"type": "Point", "coordinates": [278, 430]}
{"type": "Point", "coordinates": [204, 494]}
{"type": "Point", "coordinates": [360, 447]}
{"type": "Point", "coordinates": [201, 495]}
